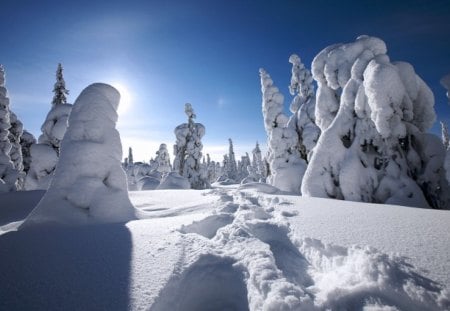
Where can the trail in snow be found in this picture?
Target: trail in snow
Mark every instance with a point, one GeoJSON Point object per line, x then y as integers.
{"type": "Point", "coordinates": [245, 257]}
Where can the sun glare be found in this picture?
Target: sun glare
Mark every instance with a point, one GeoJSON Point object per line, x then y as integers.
{"type": "Point", "coordinates": [125, 97]}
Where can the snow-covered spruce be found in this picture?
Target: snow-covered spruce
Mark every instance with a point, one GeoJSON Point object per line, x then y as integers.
{"type": "Point", "coordinates": [373, 115]}
{"type": "Point", "coordinates": [163, 159]}
{"type": "Point", "coordinates": [258, 163]}
{"type": "Point", "coordinates": [444, 135]}
{"type": "Point", "coordinates": [89, 185]}
{"type": "Point", "coordinates": [188, 150]}
{"type": "Point", "coordinates": [286, 165]}
{"type": "Point", "coordinates": [26, 141]}
{"type": "Point", "coordinates": [15, 136]}
{"type": "Point", "coordinates": [9, 175]}
{"type": "Point", "coordinates": [303, 107]}
{"type": "Point", "coordinates": [231, 168]}
{"type": "Point", "coordinates": [44, 155]}
{"type": "Point", "coordinates": [59, 88]}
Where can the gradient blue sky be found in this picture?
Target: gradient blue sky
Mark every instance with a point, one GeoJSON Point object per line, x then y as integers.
{"type": "Point", "coordinates": [208, 53]}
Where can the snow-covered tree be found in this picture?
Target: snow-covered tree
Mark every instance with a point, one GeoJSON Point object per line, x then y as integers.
{"type": "Point", "coordinates": [188, 150]}
{"type": "Point", "coordinates": [303, 107]}
{"type": "Point", "coordinates": [286, 165]}
{"type": "Point", "coordinates": [9, 175]}
{"type": "Point", "coordinates": [163, 159]}
{"type": "Point", "coordinates": [258, 163]}
{"type": "Point", "coordinates": [26, 141]}
{"type": "Point", "coordinates": [59, 88]}
{"type": "Point", "coordinates": [130, 156]}
{"type": "Point", "coordinates": [231, 168]}
{"type": "Point", "coordinates": [89, 185]}
{"type": "Point", "coordinates": [45, 154]}
{"type": "Point", "coordinates": [15, 135]}
{"type": "Point", "coordinates": [373, 115]}
{"type": "Point", "coordinates": [242, 167]}
{"type": "Point", "coordinates": [445, 136]}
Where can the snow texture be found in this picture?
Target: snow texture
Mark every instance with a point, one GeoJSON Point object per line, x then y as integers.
{"type": "Point", "coordinates": [9, 175]}
{"type": "Point", "coordinates": [373, 115]}
{"type": "Point", "coordinates": [89, 185]}
{"type": "Point", "coordinates": [242, 249]}
{"type": "Point", "coordinates": [286, 165]}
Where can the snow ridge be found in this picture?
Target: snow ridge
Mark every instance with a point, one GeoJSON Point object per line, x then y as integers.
{"type": "Point", "coordinates": [244, 257]}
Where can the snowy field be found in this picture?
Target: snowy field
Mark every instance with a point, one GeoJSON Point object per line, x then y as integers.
{"type": "Point", "coordinates": [228, 249]}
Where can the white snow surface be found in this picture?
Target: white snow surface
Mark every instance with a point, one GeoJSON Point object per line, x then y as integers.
{"type": "Point", "coordinates": [250, 248]}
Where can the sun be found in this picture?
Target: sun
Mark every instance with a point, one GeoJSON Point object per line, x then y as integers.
{"type": "Point", "coordinates": [125, 97]}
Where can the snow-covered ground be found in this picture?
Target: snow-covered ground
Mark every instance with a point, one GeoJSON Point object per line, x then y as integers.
{"type": "Point", "coordinates": [229, 249]}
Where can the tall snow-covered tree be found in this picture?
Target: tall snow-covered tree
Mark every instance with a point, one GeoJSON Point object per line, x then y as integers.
{"type": "Point", "coordinates": [59, 88]}
{"type": "Point", "coordinates": [26, 141]}
{"type": "Point", "coordinates": [373, 115]}
{"type": "Point", "coordinates": [188, 150]}
{"type": "Point", "coordinates": [163, 159]}
{"type": "Point", "coordinates": [15, 135]}
{"type": "Point", "coordinates": [9, 175]}
{"type": "Point", "coordinates": [303, 107]}
{"type": "Point", "coordinates": [45, 154]}
{"type": "Point", "coordinates": [286, 165]}
{"type": "Point", "coordinates": [130, 156]}
{"type": "Point", "coordinates": [444, 135]}
{"type": "Point", "coordinates": [89, 185]}
{"type": "Point", "coordinates": [258, 163]}
{"type": "Point", "coordinates": [232, 171]}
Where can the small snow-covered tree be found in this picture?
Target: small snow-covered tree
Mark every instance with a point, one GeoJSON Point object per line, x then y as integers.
{"type": "Point", "coordinates": [303, 107]}
{"type": "Point", "coordinates": [45, 154]}
{"type": "Point", "coordinates": [232, 171]}
{"type": "Point", "coordinates": [188, 150]}
{"type": "Point", "coordinates": [445, 136]}
{"type": "Point", "coordinates": [9, 175]}
{"type": "Point", "coordinates": [373, 115]}
{"type": "Point", "coordinates": [286, 165]}
{"type": "Point", "coordinates": [258, 163]}
{"type": "Point", "coordinates": [26, 141]}
{"type": "Point", "coordinates": [130, 156]}
{"type": "Point", "coordinates": [242, 167]}
{"type": "Point", "coordinates": [59, 88]}
{"type": "Point", "coordinates": [89, 185]}
{"type": "Point", "coordinates": [163, 159]}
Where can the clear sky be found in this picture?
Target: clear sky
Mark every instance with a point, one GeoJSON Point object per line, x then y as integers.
{"type": "Point", "coordinates": [163, 54]}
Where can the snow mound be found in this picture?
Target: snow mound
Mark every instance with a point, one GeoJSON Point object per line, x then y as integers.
{"type": "Point", "coordinates": [260, 187]}
{"type": "Point", "coordinates": [89, 185]}
{"type": "Point", "coordinates": [173, 180]}
{"type": "Point", "coordinates": [148, 183]}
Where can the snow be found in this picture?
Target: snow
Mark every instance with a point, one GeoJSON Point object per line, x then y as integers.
{"type": "Point", "coordinates": [89, 185]}
{"type": "Point", "coordinates": [251, 248]}
{"type": "Point", "coordinates": [173, 180]}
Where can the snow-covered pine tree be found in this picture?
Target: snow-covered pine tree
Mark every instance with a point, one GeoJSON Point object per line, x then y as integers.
{"type": "Point", "coordinates": [15, 135]}
{"type": "Point", "coordinates": [303, 107]}
{"type": "Point", "coordinates": [373, 115]}
{"type": "Point", "coordinates": [232, 171]}
{"type": "Point", "coordinates": [130, 156]}
{"type": "Point", "coordinates": [286, 165]}
{"type": "Point", "coordinates": [26, 141]}
{"type": "Point", "coordinates": [59, 88]}
{"type": "Point", "coordinates": [444, 135]}
{"type": "Point", "coordinates": [258, 163]}
{"type": "Point", "coordinates": [45, 154]}
{"type": "Point", "coordinates": [9, 175]}
{"type": "Point", "coordinates": [163, 159]}
{"type": "Point", "coordinates": [188, 150]}
{"type": "Point", "coordinates": [88, 189]}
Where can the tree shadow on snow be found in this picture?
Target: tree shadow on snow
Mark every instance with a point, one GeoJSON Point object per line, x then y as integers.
{"type": "Point", "coordinates": [50, 268]}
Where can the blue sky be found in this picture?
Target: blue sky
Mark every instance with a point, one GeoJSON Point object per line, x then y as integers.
{"type": "Point", "coordinates": [166, 53]}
